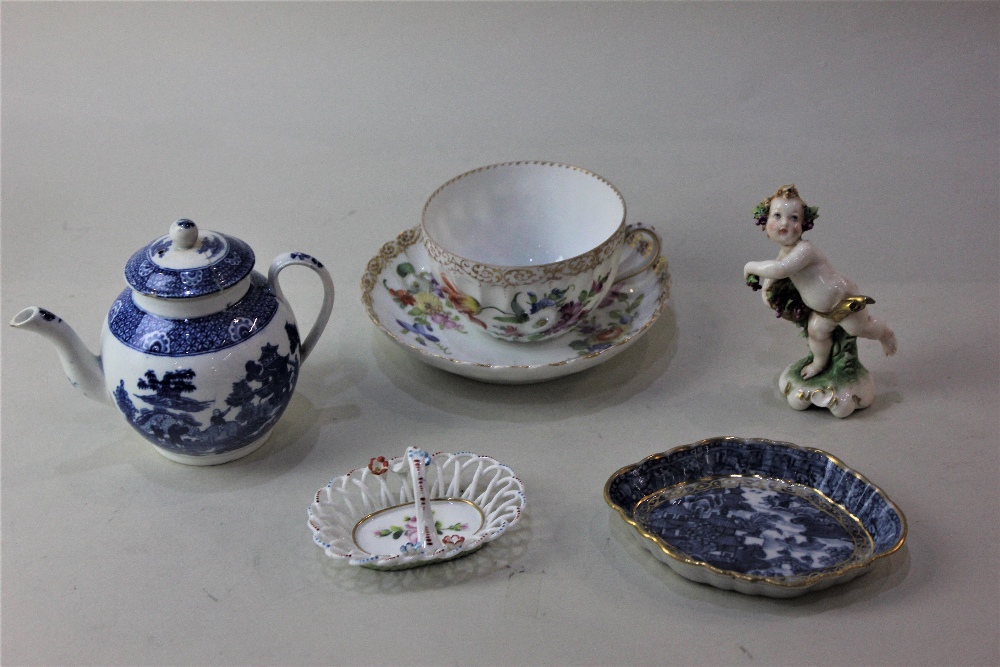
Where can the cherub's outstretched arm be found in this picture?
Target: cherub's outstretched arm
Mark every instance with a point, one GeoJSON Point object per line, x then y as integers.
{"type": "Point", "coordinates": [801, 256]}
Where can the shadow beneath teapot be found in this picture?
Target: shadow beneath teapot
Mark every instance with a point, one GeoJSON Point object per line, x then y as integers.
{"type": "Point", "coordinates": [610, 383]}
{"type": "Point", "coordinates": [627, 549]}
{"type": "Point", "coordinates": [494, 558]}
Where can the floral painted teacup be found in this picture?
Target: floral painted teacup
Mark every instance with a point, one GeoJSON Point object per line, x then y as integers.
{"type": "Point", "coordinates": [525, 249]}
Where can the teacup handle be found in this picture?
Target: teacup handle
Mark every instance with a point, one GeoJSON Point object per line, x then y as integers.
{"type": "Point", "coordinates": [301, 259]}
{"type": "Point", "coordinates": [649, 257]}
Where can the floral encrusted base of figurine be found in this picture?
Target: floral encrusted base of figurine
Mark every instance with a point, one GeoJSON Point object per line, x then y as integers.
{"type": "Point", "coordinates": [845, 385]}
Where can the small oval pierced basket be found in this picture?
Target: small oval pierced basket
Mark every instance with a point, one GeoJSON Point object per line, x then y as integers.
{"type": "Point", "coordinates": [415, 509]}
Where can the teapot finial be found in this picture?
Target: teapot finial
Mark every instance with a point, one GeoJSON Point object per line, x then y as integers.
{"type": "Point", "coordinates": [184, 233]}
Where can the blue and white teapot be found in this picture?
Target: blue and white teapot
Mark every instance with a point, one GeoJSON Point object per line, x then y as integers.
{"type": "Point", "coordinates": [201, 353]}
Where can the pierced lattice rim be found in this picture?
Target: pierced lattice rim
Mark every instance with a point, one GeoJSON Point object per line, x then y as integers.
{"type": "Point", "coordinates": [384, 483]}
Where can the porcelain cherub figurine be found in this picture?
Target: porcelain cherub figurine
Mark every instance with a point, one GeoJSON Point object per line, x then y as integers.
{"type": "Point", "coordinates": [802, 285]}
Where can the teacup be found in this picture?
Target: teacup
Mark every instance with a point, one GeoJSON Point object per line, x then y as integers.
{"type": "Point", "coordinates": [526, 249]}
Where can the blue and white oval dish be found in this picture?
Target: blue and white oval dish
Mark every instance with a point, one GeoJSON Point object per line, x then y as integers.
{"type": "Point", "coordinates": [757, 516]}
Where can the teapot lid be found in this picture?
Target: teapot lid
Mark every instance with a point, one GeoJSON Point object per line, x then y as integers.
{"type": "Point", "coordinates": [187, 263]}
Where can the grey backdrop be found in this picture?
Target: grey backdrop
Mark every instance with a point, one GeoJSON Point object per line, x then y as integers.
{"type": "Point", "coordinates": [323, 127]}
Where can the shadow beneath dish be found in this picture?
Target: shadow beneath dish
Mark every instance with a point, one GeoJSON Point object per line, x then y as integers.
{"type": "Point", "coordinates": [586, 392]}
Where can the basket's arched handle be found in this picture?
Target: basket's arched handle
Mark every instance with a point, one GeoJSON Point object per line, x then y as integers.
{"type": "Point", "coordinates": [649, 254]}
{"type": "Point", "coordinates": [282, 262]}
{"type": "Point", "coordinates": [427, 538]}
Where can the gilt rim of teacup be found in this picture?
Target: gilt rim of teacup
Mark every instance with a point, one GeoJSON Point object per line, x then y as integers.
{"type": "Point", "coordinates": [549, 267]}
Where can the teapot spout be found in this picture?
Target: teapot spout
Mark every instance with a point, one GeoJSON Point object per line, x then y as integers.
{"type": "Point", "coordinates": [83, 369]}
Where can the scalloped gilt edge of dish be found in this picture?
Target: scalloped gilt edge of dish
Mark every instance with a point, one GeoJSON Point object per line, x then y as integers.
{"type": "Point", "coordinates": [767, 460]}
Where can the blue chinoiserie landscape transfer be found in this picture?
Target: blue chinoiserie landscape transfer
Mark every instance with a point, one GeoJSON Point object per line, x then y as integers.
{"type": "Point", "coordinates": [756, 527]}
{"type": "Point", "coordinates": [148, 333]}
{"type": "Point", "coordinates": [158, 406]}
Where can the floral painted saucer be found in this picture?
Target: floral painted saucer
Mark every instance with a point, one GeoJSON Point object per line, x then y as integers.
{"type": "Point", "coordinates": [415, 509]}
{"type": "Point", "coordinates": [406, 301]}
{"type": "Point", "coordinates": [757, 516]}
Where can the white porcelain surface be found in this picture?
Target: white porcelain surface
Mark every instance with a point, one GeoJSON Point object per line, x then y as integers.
{"type": "Point", "coordinates": [399, 293]}
{"type": "Point", "coordinates": [375, 516]}
{"type": "Point", "coordinates": [524, 250]}
{"type": "Point", "coordinates": [379, 533]}
{"type": "Point", "coordinates": [523, 213]}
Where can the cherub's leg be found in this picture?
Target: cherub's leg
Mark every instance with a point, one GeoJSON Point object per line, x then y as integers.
{"type": "Point", "coordinates": [820, 332]}
{"type": "Point", "coordinates": [863, 325]}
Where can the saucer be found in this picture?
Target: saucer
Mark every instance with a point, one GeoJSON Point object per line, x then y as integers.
{"type": "Point", "coordinates": [756, 516]}
{"type": "Point", "coordinates": [404, 299]}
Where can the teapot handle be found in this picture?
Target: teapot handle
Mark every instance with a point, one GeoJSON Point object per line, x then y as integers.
{"type": "Point", "coordinates": [301, 259]}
